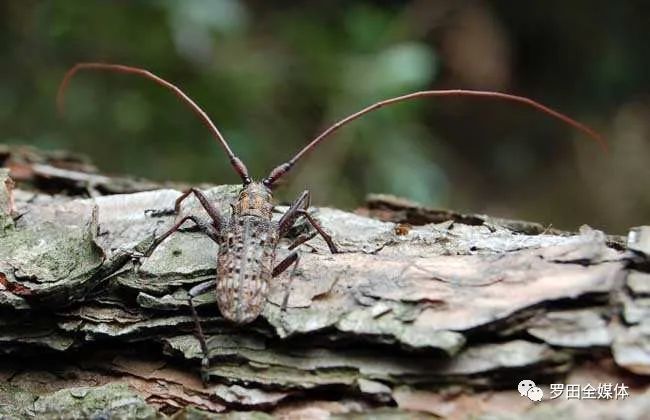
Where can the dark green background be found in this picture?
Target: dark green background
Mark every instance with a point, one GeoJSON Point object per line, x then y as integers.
{"type": "Point", "coordinates": [272, 74]}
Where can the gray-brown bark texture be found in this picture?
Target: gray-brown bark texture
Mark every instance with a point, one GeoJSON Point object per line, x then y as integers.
{"type": "Point", "coordinates": [424, 314]}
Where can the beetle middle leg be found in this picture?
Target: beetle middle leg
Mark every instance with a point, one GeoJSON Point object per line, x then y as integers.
{"type": "Point", "coordinates": [298, 209]}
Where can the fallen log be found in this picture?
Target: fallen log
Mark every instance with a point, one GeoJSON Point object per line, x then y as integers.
{"type": "Point", "coordinates": [425, 313]}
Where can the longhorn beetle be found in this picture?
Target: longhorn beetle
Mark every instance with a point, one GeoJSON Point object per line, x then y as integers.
{"type": "Point", "coordinates": [249, 238]}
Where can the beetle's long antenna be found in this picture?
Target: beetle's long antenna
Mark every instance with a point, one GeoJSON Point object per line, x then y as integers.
{"type": "Point", "coordinates": [282, 169]}
{"type": "Point", "coordinates": [236, 163]}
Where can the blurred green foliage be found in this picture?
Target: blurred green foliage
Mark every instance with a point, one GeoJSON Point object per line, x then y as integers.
{"type": "Point", "coordinates": [272, 74]}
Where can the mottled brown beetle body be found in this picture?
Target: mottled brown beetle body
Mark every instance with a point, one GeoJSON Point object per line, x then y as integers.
{"type": "Point", "coordinates": [246, 255]}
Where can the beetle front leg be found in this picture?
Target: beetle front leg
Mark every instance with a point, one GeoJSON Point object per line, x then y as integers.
{"type": "Point", "coordinates": [298, 209]}
{"type": "Point", "coordinates": [214, 214]}
{"type": "Point", "coordinates": [205, 228]}
{"type": "Point", "coordinates": [209, 208]}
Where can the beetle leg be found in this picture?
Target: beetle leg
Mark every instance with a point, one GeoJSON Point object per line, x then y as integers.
{"type": "Point", "coordinates": [195, 291]}
{"type": "Point", "coordinates": [319, 229]}
{"type": "Point", "coordinates": [299, 208]}
{"type": "Point", "coordinates": [285, 263]}
{"type": "Point", "coordinates": [294, 259]}
{"type": "Point", "coordinates": [202, 288]}
{"type": "Point", "coordinates": [206, 228]}
{"type": "Point", "coordinates": [159, 212]}
{"type": "Point", "coordinates": [291, 215]}
{"type": "Point", "coordinates": [302, 239]}
{"type": "Point", "coordinates": [209, 208]}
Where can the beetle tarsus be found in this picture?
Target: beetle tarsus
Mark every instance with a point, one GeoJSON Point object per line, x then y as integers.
{"type": "Point", "coordinates": [159, 212]}
{"type": "Point", "coordinates": [205, 359]}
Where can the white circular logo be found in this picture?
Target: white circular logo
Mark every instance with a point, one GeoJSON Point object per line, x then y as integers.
{"type": "Point", "coordinates": [524, 386]}
{"type": "Point", "coordinates": [535, 394]}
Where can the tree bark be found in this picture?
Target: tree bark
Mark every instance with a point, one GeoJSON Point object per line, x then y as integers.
{"type": "Point", "coordinates": [425, 313]}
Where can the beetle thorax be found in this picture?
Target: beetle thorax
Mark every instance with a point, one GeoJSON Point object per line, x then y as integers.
{"type": "Point", "coordinates": [254, 200]}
